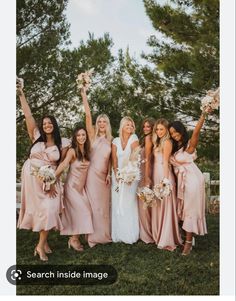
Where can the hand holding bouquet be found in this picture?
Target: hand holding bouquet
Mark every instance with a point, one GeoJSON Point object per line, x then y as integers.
{"type": "Point", "coordinates": [163, 189]}
{"type": "Point", "coordinates": [211, 101]}
{"type": "Point", "coordinates": [46, 174]}
{"type": "Point", "coordinates": [147, 196]}
{"type": "Point", "coordinates": [19, 85]}
{"type": "Point", "coordinates": [84, 79]}
{"type": "Point", "coordinates": [130, 171]}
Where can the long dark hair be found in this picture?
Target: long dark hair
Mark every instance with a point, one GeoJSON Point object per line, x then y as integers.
{"type": "Point", "coordinates": [56, 134]}
{"type": "Point", "coordinates": [181, 129]}
{"type": "Point", "coordinates": [151, 122]}
{"type": "Point", "coordinates": [80, 156]}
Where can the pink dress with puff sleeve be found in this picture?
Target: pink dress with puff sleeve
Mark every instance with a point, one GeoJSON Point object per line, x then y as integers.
{"type": "Point", "coordinates": [39, 211]}
{"type": "Point", "coordinates": [190, 192]}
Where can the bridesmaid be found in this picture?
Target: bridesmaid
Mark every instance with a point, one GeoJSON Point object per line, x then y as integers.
{"type": "Point", "coordinates": [77, 215]}
{"type": "Point", "coordinates": [146, 172]}
{"type": "Point", "coordinates": [191, 187]}
{"type": "Point", "coordinates": [98, 184]}
{"type": "Point", "coordinates": [165, 228]}
{"type": "Point", "coordinates": [39, 212]}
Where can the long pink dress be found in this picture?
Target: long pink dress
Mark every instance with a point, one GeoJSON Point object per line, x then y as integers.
{"type": "Point", "coordinates": [98, 192]}
{"type": "Point", "coordinates": [39, 211]}
{"type": "Point", "coordinates": [165, 228]}
{"type": "Point", "coordinates": [145, 225]}
{"type": "Point", "coordinates": [190, 192]}
{"type": "Point", "coordinates": [77, 214]}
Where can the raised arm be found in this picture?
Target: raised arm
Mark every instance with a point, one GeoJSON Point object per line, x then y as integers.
{"type": "Point", "coordinates": [167, 148]}
{"type": "Point", "coordinates": [147, 155]}
{"type": "Point", "coordinates": [89, 122]}
{"type": "Point", "coordinates": [195, 136]}
{"type": "Point", "coordinates": [30, 121]}
{"type": "Point", "coordinates": [70, 156]}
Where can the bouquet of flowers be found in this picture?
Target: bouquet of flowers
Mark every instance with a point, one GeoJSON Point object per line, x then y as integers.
{"type": "Point", "coordinates": [146, 195]}
{"type": "Point", "coordinates": [84, 79]}
{"type": "Point", "coordinates": [214, 206]}
{"type": "Point", "coordinates": [19, 84]}
{"type": "Point", "coordinates": [211, 101]}
{"type": "Point", "coordinates": [46, 174]}
{"type": "Point", "coordinates": [130, 171]}
{"type": "Point", "coordinates": [163, 189]}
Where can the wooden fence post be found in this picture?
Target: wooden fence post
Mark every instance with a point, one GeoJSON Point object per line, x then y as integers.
{"type": "Point", "coordinates": [207, 188]}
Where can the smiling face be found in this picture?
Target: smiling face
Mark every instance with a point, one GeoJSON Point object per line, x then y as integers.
{"type": "Point", "coordinates": [128, 128]}
{"type": "Point", "coordinates": [175, 135]}
{"type": "Point", "coordinates": [102, 125]}
{"type": "Point", "coordinates": [147, 129]}
{"type": "Point", "coordinates": [161, 131]}
{"type": "Point", "coordinates": [81, 137]}
{"type": "Point", "coordinates": [47, 126]}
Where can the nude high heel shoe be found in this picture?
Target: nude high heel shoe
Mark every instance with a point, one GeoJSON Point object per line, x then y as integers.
{"type": "Point", "coordinates": [75, 244]}
{"type": "Point", "coordinates": [42, 255]}
{"type": "Point", "coordinates": [189, 245]}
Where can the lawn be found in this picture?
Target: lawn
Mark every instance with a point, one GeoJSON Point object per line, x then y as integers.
{"type": "Point", "coordinates": [142, 269]}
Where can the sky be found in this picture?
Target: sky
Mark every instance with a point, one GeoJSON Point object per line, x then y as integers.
{"type": "Point", "coordinates": [125, 20]}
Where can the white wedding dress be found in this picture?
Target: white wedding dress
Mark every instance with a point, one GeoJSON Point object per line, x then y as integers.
{"type": "Point", "coordinates": [125, 221]}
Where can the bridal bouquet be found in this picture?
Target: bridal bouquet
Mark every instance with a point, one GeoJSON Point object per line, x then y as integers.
{"type": "Point", "coordinates": [146, 195]}
{"type": "Point", "coordinates": [19, 84]}
{"type": "Point", "coordinates": [163, 189]}
{"type": "Point", "coordinates": [211, 101]}
{"type": "Point", "coordinates": [84, 79]}
{"type": "Point", "coordinates": [46, 174]}
{"type": "Point", "coordinates": [130, 171]}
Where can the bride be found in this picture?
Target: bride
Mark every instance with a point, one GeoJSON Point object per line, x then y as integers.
{"type": "Point", "coordinates": [125, 224]}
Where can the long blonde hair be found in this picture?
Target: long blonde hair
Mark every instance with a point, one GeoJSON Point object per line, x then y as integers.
{"type": "Point", "coordinates": [122, 124]}
{"type": "Point", "coordinates": [158, 142]}
{"type": "Point", "coordinates": [108, 127]}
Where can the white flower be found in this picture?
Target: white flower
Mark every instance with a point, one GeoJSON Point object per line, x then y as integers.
{"type": "Point", "coordinates": [20, 82]}
{"type": "Point", "coordinates": [211, 100]}
{"type": "Point", "coordinates": [84, 79]}
{"type": "Point", "coordinates": [163, 189]}
{"type": "Point", "coordinates": [45, 173]}
{"type": "Point", "coordinates": [147, 196]}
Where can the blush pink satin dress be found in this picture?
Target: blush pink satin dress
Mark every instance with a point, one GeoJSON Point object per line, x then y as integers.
{"type": "Point", "coordinates": [99, 194]}
{"type": "Point", "coordinates": [77, 214]}
{"type": "Point", "coordinates": [165, 228]}
{"type": "Point", "coordinates": [39, 211]}
{"type": "Point", "coordinates": [190, 192]}
{"type": "Point", "coordinates": [145, 223]}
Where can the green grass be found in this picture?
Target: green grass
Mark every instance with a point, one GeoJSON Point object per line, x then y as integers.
{"type": "Point", "coordinates": [142, 269]}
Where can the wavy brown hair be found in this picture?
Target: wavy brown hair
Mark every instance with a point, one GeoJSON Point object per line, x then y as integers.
{"type": "Point", "coordinates": [151, 122]}
{"type": "Point", "coordinates": [74, 144]}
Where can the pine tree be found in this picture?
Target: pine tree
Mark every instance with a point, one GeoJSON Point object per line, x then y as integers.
{"type": "Point", "coordinates": [187, 60]}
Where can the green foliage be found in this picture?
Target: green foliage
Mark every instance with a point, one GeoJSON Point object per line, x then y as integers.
{"type": "Point", "coordinates": [187, 59]}
{"type": "Point", "coordinates": [184, 64]}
